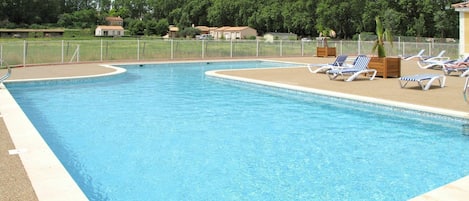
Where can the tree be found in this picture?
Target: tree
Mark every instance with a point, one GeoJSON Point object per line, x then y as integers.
{"type": "Point", "coordinates": [151, 28]}
{"type": "Point", "coordinates": [342, 16]}
{"type": "Point", "coordinates": [162, 27]}
{"type": "Point", "coordinates": [137, 27]}
{"type": "Point", "coordinates": [189, 32]}
{"type": "Point", "coordinates": [298, 17]}
{"type": "Point", "coordinates": [303, 17]}
{"type": "Point", "coordinates": [79, 19]}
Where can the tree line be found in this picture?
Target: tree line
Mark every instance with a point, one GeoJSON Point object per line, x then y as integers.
{"type": "Point", "coordinates": [419, 18]}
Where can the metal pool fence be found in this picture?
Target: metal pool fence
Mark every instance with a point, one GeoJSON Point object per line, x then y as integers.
{"type": "Point", "coordinates": [23, 53]}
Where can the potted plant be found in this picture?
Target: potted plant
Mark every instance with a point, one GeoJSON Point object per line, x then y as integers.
{"type": "Point", "coordinates": [386, 66]}
{"type": "Point", "coordinates": [325, 50]}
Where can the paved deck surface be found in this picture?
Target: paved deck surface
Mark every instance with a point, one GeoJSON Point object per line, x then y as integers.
{"type": "Point", "coordinates": [15, 184]}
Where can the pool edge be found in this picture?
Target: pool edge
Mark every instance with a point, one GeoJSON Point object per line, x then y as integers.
{"type": "Point", "coordinates": [49, 178]}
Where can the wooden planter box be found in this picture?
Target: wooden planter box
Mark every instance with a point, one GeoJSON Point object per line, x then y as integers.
{"type": "Point", "coordinates": [326, 51]}
{"type": "Point", "coordinates": [386, 66]}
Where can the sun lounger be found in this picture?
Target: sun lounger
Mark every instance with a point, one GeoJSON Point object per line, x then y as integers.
{"type": "Point", "coordinates": [353, 61]}
{"type": "Point", "coordinates": [438, 56]}
{"type": "Point", "coordinates": [460, 65]}
{"type": "Point", "coordinates": [424, 80]}
{"type": "Point", "coordinates": [410, 57]}
{"type": "Point", "coordinates": [466, 89]}
{"type": "Point", "coordinates": [433, 62]}
{"type": "Point", "coordinates": [339, 61]}
{"type": "Point", "coordinates": [360, 67]}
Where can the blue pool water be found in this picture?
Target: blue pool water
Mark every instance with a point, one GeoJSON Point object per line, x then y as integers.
{"type": "Point", "coordinates": [168, 132]}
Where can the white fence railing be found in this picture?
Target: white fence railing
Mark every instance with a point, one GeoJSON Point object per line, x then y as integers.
{"type": "Point", "coordinates": [23, 53]}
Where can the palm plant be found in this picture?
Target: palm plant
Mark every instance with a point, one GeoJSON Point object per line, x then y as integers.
{"type": "Point", "coordinates": [325, 33]}
{"type": "Point", "coordinates": [383, 35]}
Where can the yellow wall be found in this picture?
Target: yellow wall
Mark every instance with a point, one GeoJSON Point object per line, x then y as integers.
{"type": "Point", "coordinates": [466, 32]}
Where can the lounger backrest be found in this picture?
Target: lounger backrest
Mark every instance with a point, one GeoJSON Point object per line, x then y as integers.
{"type": "Point", "coordinates": [441, 53]}
{"type": "Point", "coordinates": [340, 60]}
{"type": "Point", "coordinates": [355, 61]}
{"type": "Point", "coordinates": [361, 63]}
{"type": "Point", "coordinates": [466, 59]}
{"type": "Point", "coordinates": [421, 52]}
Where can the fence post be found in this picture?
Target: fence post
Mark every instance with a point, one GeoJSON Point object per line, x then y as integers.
{"type": "Point", "coordinates": [78, 53]}
{"type": "Point", "coordinates": [257, 48]}
{"type": "Point", "coordinates": [203, 49]}
{"type": "Point", "coordinates": [231, 48]}
{"type": "Point", "coordinates": [1, 55]}
{"type": "Point", "coordinates": [430, 48]}
{"type": "Point", "coordinates": [62, 59]}
{"type": "Point", "coordinates": [101, 50]}
{"type": "Point", "coordinates": [138, 49]}
{"type": "Point", "coordinates": [302, 48]}
{"type": "Point", "coordinates": [281, 47]}
{"type": "Point", "coordinates": [25, 52]}
{"type": "Point", "coordinates": [172, 49]}
{"type": "Point", "coordinates": [359, 43]}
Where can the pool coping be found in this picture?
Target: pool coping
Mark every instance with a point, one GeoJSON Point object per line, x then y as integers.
{"type": "Point", "coordinates": [409, 106]}
{"type": "Point", "coordinates": [49, 178]}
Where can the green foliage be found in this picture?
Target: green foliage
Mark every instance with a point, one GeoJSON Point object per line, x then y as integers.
{"type": "Point", "coordinates": [137, 27]}
{"type": "Point", "coordinates": [78, 19]}
{"type": "Point", "coordinates": [162, 27]}
{"type": "Point", "coordinates": [189, 32]}
{"type": "Point", "coordinates": [382, 36]}
{"type": "Point", "coordinates": [151, 28]}
{"type": "Point", "coordinates": [302, 17]}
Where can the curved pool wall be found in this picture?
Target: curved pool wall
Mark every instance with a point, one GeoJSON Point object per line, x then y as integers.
{"type": "Point", "coordinates": [295, 89]}
{"type": "Point", "coordinates": [50, 180]}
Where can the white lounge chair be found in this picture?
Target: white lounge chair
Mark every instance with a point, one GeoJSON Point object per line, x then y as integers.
{"type": "Point", "coordinates": [466, 89]}
{"type": "Point", "coordinates": [339, 61]}
{"type": "Point", "coordinates": [439, 55]}
{"type": "Point", "coordinates": [424, 80]}
{"type": "Point", "coordinates": [418, 55]}
{"type": "Point", "coordinates": [360, 67]}
{"type": "Point", "coordinates": [433, 62]}
{"type": "Point", "coordinates": [460, 65]}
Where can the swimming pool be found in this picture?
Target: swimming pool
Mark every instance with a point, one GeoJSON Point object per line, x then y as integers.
{"type": "Point", "coordinates": [166, 132]}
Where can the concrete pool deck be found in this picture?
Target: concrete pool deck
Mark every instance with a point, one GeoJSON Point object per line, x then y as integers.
{"type": "Point", "coordinates": [448, 101]}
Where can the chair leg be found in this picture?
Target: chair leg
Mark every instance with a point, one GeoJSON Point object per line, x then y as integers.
{"type": "Point", "coordinates": [441, 80]}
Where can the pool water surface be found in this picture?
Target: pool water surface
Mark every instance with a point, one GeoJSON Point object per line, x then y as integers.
{"type": "Point", "coordinates": [168, 132]}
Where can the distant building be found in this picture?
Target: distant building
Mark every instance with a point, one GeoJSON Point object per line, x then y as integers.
{"type": "Point", "coordinates": [270, 37]}
{"type": "Point", "coordinates": [114, 21]}
{"type": "Point", "coordinates": [233, 33]}
{"type": "Point", "coordinates": [206, 30]}
{"type": "Point", "coordinates": [109, 31]}
{"type": "Point", "coordinates": [203, 29]}
{"type": "Point", "coordinates": [463, 9]}
{"type": "Point", "coordinates": [173, 31]}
